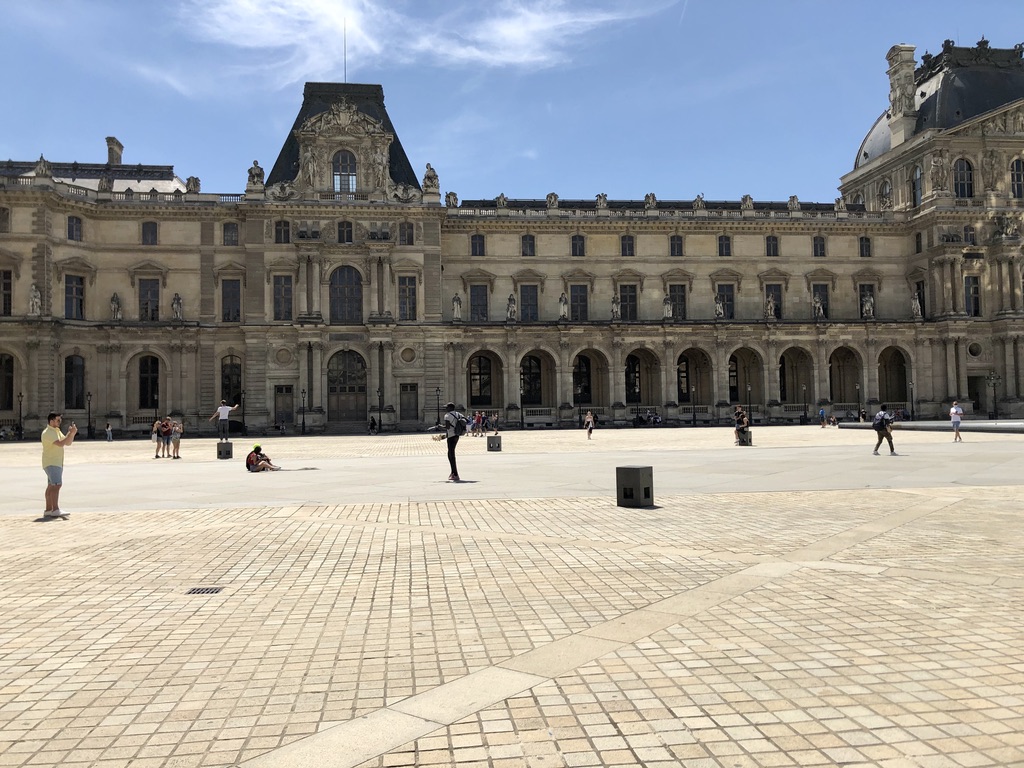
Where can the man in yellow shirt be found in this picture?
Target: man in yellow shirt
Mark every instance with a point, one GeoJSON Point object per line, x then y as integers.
{"type": "Point", "coordinates": [54, 442]}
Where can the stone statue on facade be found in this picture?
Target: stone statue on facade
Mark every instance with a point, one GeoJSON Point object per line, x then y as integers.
{"type": "Point", "coordinates": [939, 170]}
{"type": "Point", "coordinates": [840, 206]}
{"type": "Point", "coordinates": [990, 170]}
{"type": "Point", "coordinates": [380, 165]}
{"type": "Point", "coordinates": [552, 200]}
{"type": "Point", "coordinates": [698, 202]}
{"type": "Point", "coordinates": [793, 204]}
{"type": "Point", "coordinates": [43, 168]}
{"type": "Point", "coordinates": [666, 308]}
{"type": "Point", "coordinates": [115, 307]}
{"type": "Point", "coordinates": [456, 306]}
{"type": "Point", "coordinates": [915, 306]}
{"type": "Point", "coordinates": [430, 180]}
{"type": "Point", "coordinates": [176, 309]}
{"type": "Point", "coordinates": [769, 307]}
{"type": "Point", "coordinates": [563, 307]}
{"type": "Point", "coordinates": [650, 201]}
{"type": "Point", "coordinates": [719, 307]}
{"type": "Point", "coordinates": [501, 201]}
{"type": "Point", "coordinates": [310, 169]}
{"type": "Point", "coordinates": [602, 201]}
{"type": "Point", "coordinates": [35, 301]}
{"type": "Point", "coordinates": [746, 203]}
{"type": "Point", "coordinates": [106, 183]}
{"type": "Point", "coordinates": [867, 307]}
{"type": "Point", "coordinates": [616, 307]}
{"type": "Point", "coordinates": [819, 307]}
{"type": "Point", "coordinates": [255, 173]}
{"type": "Point", "coordinates": [510, 309]}
{"type": "Point", "coordinates": [451, 200]}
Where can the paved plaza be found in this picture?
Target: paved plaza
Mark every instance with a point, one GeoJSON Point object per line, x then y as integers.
{"type": "Point", "coordinates": [797, 603]}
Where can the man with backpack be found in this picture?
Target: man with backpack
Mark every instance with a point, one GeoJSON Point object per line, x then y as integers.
{"type": "Point", "coordinates": [455, 427]}
{"type": "Point", "coordinates": [882, 425]}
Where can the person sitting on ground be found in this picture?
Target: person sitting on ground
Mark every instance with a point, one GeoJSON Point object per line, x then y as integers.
{"type": "Point", "coordinates": [258, 461]}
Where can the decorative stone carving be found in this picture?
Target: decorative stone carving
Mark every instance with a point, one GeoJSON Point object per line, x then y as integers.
{"type": "Point", "coordinates": [552, 200]}
{"type": "Point", "coordinates": [793, 204]}
{"type": "Point", "coordinates": [915, 306]}
{"type": "Point", "coordinates": [867, 307]}
{"type": "Point", "coordinates": [451, 200]}
{"type": "Point", "coordinates": [819, 307]}
{"type": "Point", "coordinates": [43, 168]}
{"type": "Point", "coordinates": [510, 309]}
{"type": "Point", "coordinates": [698, 202]}
{"type": "Point", "coordinates": [840, 205]}
{"type": "Point", "coordinates": [431, 185]}
{"type": "Point", "coordinates": [256, 173]}
{"type": "Point", "coordinates": [284, 190]}
{"type": "Point", "coordinates": [563, 307]}
{"type": "Point", "coordinates": [746, 203]}
{"type": "Point", "coordinates": [602, 201]}
{"type": "Point", "coordinates": [990, 170]}
{"type": "Point", "coordinates": [35, 301]}
{"type": "Point", "coordinates": [456, 307]}
{"type": "Point", "coordinates": [650, 201]}
{"type": "Point", "coordinates": [115, 308]}
{"type": "Point", "coordinates": [310, 165]}
{"type": "Point", "coordinates": [192, 185]}
{"type": "Point", "coordinates": [666, 308]}
{"type": "Point", "coordinates": [616, 307]}
{"type": "Point", "coordinates": [106, 183]}
{"type": "Point", "coordinates": [719, 307]}
{"type": "Point", "coordinates": [176, 308]}
{"type": "Point", "coordinates": [939, 170]}
{"type": "Point", "coordinates": [501, 201]}
{"type": "Point", "coordinates": [769, 307]}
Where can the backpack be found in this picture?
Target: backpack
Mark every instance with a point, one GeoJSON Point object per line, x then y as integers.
{"type": "Point", "coordinates": [251, 460]}
{"type": "Point", "coordinates": [460, 425]}
{"type": "Point", "coordinates": [879, 421]}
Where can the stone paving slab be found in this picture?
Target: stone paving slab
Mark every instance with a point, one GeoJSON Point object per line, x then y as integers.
{"type": "Point", "coordinates": [806, 604]}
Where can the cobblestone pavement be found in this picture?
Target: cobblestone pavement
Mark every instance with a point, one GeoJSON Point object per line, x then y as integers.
{"type": "Point", "coordinates": [801, 603]}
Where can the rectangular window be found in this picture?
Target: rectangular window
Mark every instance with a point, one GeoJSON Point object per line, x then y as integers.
{"type": "Point", "coordinates": [579, 245]}
{"type": "Point", "coordinates": [478, 303]}
{"type": "Point", "coordinates": [918, 242]}
{"type": "Point", "coordinates": [231, 301]}
{"type": "Point", "coordinates": [149, 233]}
{"type": "Point", "coordinates": [771, 245]}
{"type": "Point", "coordinates": [528, 310]}
{"type": "Point", "coordinates": [972, 296]}
{"type": "Point", "coordinates": [149, 300]}
{"type": "Point", "coordinates": [818, 247]}
{"type": "Point", "coordinates": [969, 235]}
{"type": "Point", "coordinates": [727, 295]}
{"type": "Point", "coordinates": [865, 247]}
{"type": "Point", "coordinates": [74, 297]}
{"type": "Point", "coordinates": [578, 303]}
{"type": "Point", "coordinates": [344, 232]}
{"type": "Point", "coordinates": [677, 296]}
{"type": "Point", "coordinates": [628, 302]}
{"type": "Point", "coordinates": [229, 233]}
{"type": "Point", "coordinates": [406, 297]}
{"type": "Point", "coordinates": [74, 228]}
{"type": "Point", "coordinates": [819, 301]}
{"type": "Point", "coordinates": [282, 232]}
{"type": "Point", "coordinates": [919, 290]}
{"type": "Point", "coordinates": [675, 245]}
{"type": "Point", "coordinates": [1016, 179]}
{"type": "Point", "coordinates": [773, 300]}
{"type": "Point", "coordinates": [724, 245]}
{"type": "Point", "coordinates": [628, 246]}
{"type": "Point", "coordinates": [282, 297]}
{"type": "Point", "coordinates": [5, 220]}
{"type": "Point", "coordinates": [476, 245]}
{"type": "Point", "coordinates": [406, 233]}
{"type": "Point", "coordinates": [866, 295]}
{"type": "Point", "coordinates": [529, 245]}
{"type": "Point", "coordinates": [6, 292]}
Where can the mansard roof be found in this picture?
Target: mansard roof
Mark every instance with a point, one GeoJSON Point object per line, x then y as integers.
{"type": "Point", "coordinates": [317, 98]}
{"type": "Point", "coordinates": [663, 205]}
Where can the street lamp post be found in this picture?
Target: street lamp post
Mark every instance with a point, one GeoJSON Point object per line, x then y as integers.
{"type": "Point", "coordinates": [993, 380]}
{"type": "Point", "coordinates": [303, 411]}
{"type": "Point", "coordinates": [522, 424]}
{"type": "Point", "coordinates": [21, 425]}
{"type": "Point", "coordinates": [380, 410]}
{"type": "Point", "coordinates": [245, 429]}
{"type": "Point", "coordinates": [911, 400]}
{"type": "Point", "coordinates": [693, 403]}
{"type": "Point", "coordinates": [803, 387]}
{"type": "Point", "coordinates": [156, 407]}
{"type": "Point", "coordinates": [857, 387]}
{"type": "Point", "coordinates": [88, 419]}
{"type": "Point", "coordinates": [750, 410]}
{"type": "Point", "coordinates": [437, 394]}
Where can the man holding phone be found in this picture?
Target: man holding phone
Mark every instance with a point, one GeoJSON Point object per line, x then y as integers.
{"type": "Point", "coordinates": [54, 442]}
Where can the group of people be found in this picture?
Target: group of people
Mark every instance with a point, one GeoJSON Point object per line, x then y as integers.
{"type": "Point", "coordinates": [167, 434]}
{"type": "Point", "coordinates": [482, 423]}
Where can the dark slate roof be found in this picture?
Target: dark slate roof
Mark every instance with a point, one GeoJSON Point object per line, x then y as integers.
{"type": "Point", "coordinates": [316, 99]}
{"type": "Point", "coordinates": [956, 86]}
{"type": "Point", "coordinates": [663, 205]}
{"type": "Point", "coordinates": [77, 170]}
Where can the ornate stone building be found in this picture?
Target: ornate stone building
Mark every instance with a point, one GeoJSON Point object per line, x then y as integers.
{"type": "Point", "coordinates": [338, 286]}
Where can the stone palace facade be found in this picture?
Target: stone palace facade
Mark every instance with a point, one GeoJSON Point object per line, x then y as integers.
{"type": "Point", "coordinates": [341, 284]}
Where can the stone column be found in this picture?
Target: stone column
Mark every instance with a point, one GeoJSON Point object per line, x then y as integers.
{"type": "Point", "coordinates": [961, 359]}
{"type": "Point", "coordinates": [564, 373]}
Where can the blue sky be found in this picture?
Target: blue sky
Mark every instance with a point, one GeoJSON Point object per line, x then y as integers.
{"type": "Point", "coordinates": [763, 97]}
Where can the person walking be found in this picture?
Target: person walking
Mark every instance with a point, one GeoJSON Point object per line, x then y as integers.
{"type": "Point", "coordinates": [821, 417]}
{"type": "Point", "coordinates": [223, 414]}
{"type": "Point", "coordinates": [110, 433]}
{"type": "Point", "coordinates": [955, 414]}
{"type": "Point", "coordinates": [54, 442]}
{"type": "Point", "coordinates": [455, 427]}
{"type": "Point", "coordinates": [177, 429]}
{"type": "Point", "coordinates": [882, 425]}
{"type": "Point", "coordinates": [588, 423]}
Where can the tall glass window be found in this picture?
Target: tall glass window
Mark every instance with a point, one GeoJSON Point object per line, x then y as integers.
{"type": "Point", "coordinates": [282, 297]}
{"type": "Point", "coordinates": [6, 292]}
{"type": "Point", "coordinates": [727, 293]}
{"type": "Point", "coordinates": [346, 296]}
{"type": "Point", "coordinates": [149, 300]}
{"type": "Point", "coordinates": [74, 382]}
{"type": "Point", "coordinates": [916, 186]}
{"type": "Point", "coordinates": [229, 233]}
{"type": "Point", "coordinates": [231, 379]}
{"type": "Point", "coordinates": [528, 309]}
{"type": "Point", "coordinates": [149, 233]}
{"type": "Point", "coordinates": [865, 247]}
{"type": "Point", "coordinates": [406, 233]}
{"type": "Point", "coordinates": [972, 295]}
{"type": "Point", "coordinates": [74, 297]}
{"type": "Point", "coordinates": [963, 178]}
{"type": "Point", "coordinates": [633, 393]}
{"type": "Point", "coordinates": [578, 303]}
{"type": "Point", "coordinates": [1017, 179]}
{"type": "Point", "coordinates": [282, 232]}
{"type": "Point", "coordinates": [478, 303]}
{"type": "Point", "coordinates": [528, 245]}
{"type": "Point", "coordinates": [149, 381]}
{"type": "Point", "coordinates": [476, 245]}
{"type": "Point", "coordinates": [627, 246]}
{"type": "Point", "coordinates": [724, 245]}
{"type": "Point", "coordinates": [231, 301]}
{"type": "Point", "coordinates": [6, 382]}
{"type": "Point", "coordinates": [530, 380]}
{"type": "Point", "coordinates": [771, 245]}
{"type": "Point", "coordinates": [343, 171]}
{"type": "Point", "coordinates": [677, 295]}
{"type": "Point", "coordinates": [582, 392]}
{"type": "Point", "coordinates": [628, 302]}
{"type": "Point", "coordinates": [480, 384]}
{"type": "Point", "coordinates": [818, 247]}
{"type": "Point", "coordinates": [675, 245]}
{"type": "Point", "coordinates": [74, 228]}
{"type": "Point", "coordinates": [406, 297]}
{"type": "Point", "coordinates": [578, 245]}
{"type": "Point", "coordinates": [344, 232]}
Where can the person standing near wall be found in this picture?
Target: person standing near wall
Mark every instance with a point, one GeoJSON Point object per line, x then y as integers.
{"type": "Point", "coordinates": [222, 414]}
{"type": "Point", "coordinates": [955, 415]}
{"type": "Point", "coordinates": [54, 442]}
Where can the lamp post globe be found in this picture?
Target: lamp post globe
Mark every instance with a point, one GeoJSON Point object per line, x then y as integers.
{"type": "Point", "coordinates": [437, 394]}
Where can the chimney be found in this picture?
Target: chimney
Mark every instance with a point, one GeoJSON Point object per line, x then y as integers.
{"type": "Point", "coordinates": [902, 103]}
{"type": "Point", "coordinates": [114, 150]}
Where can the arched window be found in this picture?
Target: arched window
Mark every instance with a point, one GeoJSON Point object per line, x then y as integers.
{"type": "Point", "coordinates": [916, 186]}
{"type": "Point", "coordinates": [963, 178]}
{"type": "Point", "coordinates": [344, 171]}
{"type": "Point", "coordinates": [149, 381]}
{"type": "Point", "coordinates": [885, 195]}
{"type": "Point", "coordinates": [1016, 179]}
{"type": "Point", "coordinates": [530, 380]}
{"type": "Point", "coordinates": [346, 293]}
{"type": "Point", "coordinates": [74, 382]}
{"type": "Point", "coordinates": [582, 389]}
{"type": "Point", "coordinates": [6, 383]}
{"type": "Point", "coordinates": [480, 381]}
{"type": "Point", "coordinates": [344, 232]}
{"type": "Point", "coordinates": [633, 394]}
{"type": "Point", "coordinates": [231, 379]}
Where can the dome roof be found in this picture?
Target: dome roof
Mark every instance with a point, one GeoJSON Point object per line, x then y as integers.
{"type": "Point", "coordinates": [949, 89]}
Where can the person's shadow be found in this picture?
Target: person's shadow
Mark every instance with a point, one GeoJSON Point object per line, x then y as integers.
{"type": "Point", "coordinates": [45, 519]}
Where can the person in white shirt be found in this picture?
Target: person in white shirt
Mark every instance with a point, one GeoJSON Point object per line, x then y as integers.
{"type": "Point", "coordinates": [222, 415]}
{"type": "Point", "coordinates": [955, 414]}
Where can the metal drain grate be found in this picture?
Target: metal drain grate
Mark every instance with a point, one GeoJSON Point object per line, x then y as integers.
{"type": "Point", "coordinates": [204, 590]}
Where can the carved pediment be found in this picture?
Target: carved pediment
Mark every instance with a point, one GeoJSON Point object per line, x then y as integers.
{"type": "Point", "coordinates": [677, 277]}
{"type": "Point", "coordinates": [774, 275]}
{"type": "Point", "coordinates": [406, 267]}
{"type": "Point", "coordinates": [725, 275]}
{"type": "Point", "coordinates": [76, 265]}
{"type": "Point", "coordinates": [342, 119]}
{"type": "Point", "coordinates": [577, 276]}
{"type": "Point", "coordinates": [821, 276]}
{"type": "Point", "coordinates": [12, 261]}
{"type": "Point", "coordinates": [627, 276]}
{"type": "Point", "coordinates": [478, 276]}
{"type": "Point", "coordinates": [228, 269]}
{"type": "Point", "coordinates": [282, 266]}
{"type": "Point", "coordinates": [148, 269]}
{"type": "Point", "coordinates": [1006, 120]}
{"type": "Point", "coordinates": [871, 276]}
{"type": "Point", "coordinates": [529, 277]}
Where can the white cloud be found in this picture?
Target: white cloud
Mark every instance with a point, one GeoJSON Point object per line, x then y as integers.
{"type": "Point", "coordinates": [287, 41]}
